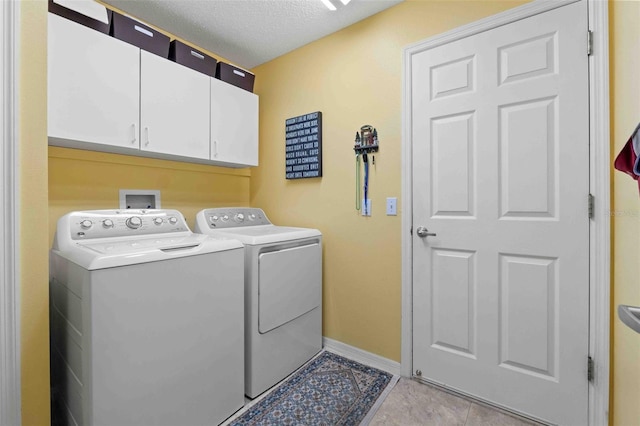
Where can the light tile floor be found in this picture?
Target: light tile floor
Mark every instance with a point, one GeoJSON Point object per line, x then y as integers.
{"type": "Point", "coordinates": [411, 403]}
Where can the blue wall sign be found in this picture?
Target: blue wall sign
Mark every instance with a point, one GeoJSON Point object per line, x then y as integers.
{"type": "Point", "coordinates": [303, 150]}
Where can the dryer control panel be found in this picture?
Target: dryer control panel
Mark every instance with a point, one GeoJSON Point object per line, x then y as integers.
{"type": "Point", "coordinates": [234, 217]}
{"type": "Point", "coordinates": [92, 224]}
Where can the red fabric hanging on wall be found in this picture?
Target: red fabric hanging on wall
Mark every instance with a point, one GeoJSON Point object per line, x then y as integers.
{"type": "Point", "coordinates": [628, 160]}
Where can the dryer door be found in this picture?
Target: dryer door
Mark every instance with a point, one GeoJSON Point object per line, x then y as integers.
{"type": "Point", "coordinates": [290, 285]}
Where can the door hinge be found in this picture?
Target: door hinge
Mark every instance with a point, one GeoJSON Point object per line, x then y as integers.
{"type": "Point", "coordinates": [589, 43]}
{"type": "Point", "coordinates": [591, 204]}
{"type": "Point", "coordinates": [590, 368]}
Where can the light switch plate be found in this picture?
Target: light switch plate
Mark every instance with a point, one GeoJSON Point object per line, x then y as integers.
{"type": "Point", "coordinates": [392, 206]}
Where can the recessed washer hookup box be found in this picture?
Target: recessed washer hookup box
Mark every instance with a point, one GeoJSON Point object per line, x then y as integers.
{"type": "Point", "coordinates": [89, 14]}
{"type": "Point", "coordinates": [234, 75]}
{"type": "Point", "coordinates": [139, 34]}
{"type": "Point", "coordinates": [188, 56]}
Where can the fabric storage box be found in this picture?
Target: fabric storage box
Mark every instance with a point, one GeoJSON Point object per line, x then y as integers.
{"type": "Point", "coordinates": [192, 58]}
{"type": "Point", "coordinates": [88, 13]}
{"type": "Point", "coordinates": [139, 34]}
{"type": "Point", "coordinates": [236, 76]}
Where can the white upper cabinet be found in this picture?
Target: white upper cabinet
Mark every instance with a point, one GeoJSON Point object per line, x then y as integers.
{"type": "Point", "coordinates": [234, 124]}
{"type": "Point", "coordinates": [93, 87]}
{"type": "Point", "coordinates": [108, 95]}
{"type": "Point", "coordinates": [174, 108]}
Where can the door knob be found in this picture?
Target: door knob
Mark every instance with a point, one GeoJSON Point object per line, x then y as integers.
{"type": "Point", "coordinates": [424, 232]}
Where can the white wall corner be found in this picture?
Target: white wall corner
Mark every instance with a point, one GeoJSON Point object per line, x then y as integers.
{"type": "Point", "coordinates": [10, 388]}
{"type": "Point", "coordinates": [600, 227]}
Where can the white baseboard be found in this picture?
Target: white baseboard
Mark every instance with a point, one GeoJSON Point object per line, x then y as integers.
{"type": "Point", "coordinates": [361, 356]}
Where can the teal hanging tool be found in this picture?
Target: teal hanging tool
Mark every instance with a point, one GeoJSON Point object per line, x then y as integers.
{"type": "Point", "coordinates": [357, 182]}
{"type": "Point", "coordinates": [365, 207]}
{"type": "Point", "coordinates": [357, 173]}
{"type": "Point", "coordinates": [366, 143]}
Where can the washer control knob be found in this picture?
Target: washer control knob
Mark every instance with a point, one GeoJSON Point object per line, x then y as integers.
{"type": "Point", "coordinates": [252, 216]}
{"type": "Point", "coordinates": [134, 222]}
{"type": "Point", "coordinates": [173, 220]}
{"type": "Point", "coordinates": [157, 220]}
{"type": "Point", "coordinates": [107, 223]}
{"type": "Point", "coordinates": [225, 218]}
{"type": "Point", "coordinates": [214, 218]}
{"type": "Point", "coordinates": [86, 224]}
{"type": "Point", "coordinates": [239, 217]}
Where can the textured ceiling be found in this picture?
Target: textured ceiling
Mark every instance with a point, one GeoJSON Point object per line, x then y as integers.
{"type": "Point", "coordinates": [250, 32]}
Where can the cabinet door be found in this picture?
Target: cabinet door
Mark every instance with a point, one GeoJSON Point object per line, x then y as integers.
{"type": "Point", "coordinates": [93, 87]}
{"type": "Point", "coordinates": [174, 108]}
{"type": "Point", "coordinates": [234, 124]}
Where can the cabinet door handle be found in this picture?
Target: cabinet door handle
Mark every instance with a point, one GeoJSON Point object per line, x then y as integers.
{"type": "Point", "coordinates": [135, 134]}
{"type": "Point", "coordinates": [146, 131]}
{"type": "Point", "coordinates": [215, 148]}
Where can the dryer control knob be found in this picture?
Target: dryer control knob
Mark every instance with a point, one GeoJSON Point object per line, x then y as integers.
{"type": "Point", "coordinates": [86, 224]}
{"type": "Point", "coordinates": [107, 223]}
{"type": "Point", "coordinates": [157, 220]}
{"type": "Point", "coordinates": [173, 220]}
{"type": "Point", "coordinates": [239, 217]}
{"type": "Point", "coordinates": [252, 216]}
{"type": "Point", "coordinates": [214, 218]}
{"type": "Point", "coordinates": [225, 218]}
{"type": "Point", "coordinates": [134, 222]}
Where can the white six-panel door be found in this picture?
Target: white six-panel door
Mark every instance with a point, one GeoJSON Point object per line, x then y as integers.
{"type": "Point", "coordinates": [500, 175]}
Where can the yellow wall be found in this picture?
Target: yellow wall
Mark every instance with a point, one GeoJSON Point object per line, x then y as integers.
{"type": "Point", "coordinates": [85, 180]}
{"type": "Point", "coordinates": [354, 77]}
{"type": "Point", "coordinates": [34, 288]}
{"type": "Point", "coordinates": [625, 115]}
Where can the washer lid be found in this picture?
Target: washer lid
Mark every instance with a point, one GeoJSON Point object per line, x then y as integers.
{"type": "Point", "coordinates": [264, 234]}
{"type": "Point", "coordinates": [114, 252]}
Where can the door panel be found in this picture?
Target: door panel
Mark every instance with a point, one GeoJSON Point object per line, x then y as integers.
{"type": "Point", "coordinates": [500, 175]}
{"type": "Point", "coordinates": [452, 78]}
{"type": "Point", "coordinates": [527, 158]}
{"type": "Point", "coordinates": [453, 304]}
{"type": "Point", "coordinates": [528, 314]}
{"type": "Point", "coordinates": [528, 58]}
{"type": "Point", "coordinates": [453, 165]}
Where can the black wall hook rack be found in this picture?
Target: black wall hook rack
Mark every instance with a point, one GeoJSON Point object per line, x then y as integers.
{"type": "Point", "coordinates": [366, 140]}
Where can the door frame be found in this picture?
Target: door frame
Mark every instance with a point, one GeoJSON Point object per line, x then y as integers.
{"type": "Point", "coordinates": [599, 176]}
{"type": "Point", "coordinates": [10, 386]}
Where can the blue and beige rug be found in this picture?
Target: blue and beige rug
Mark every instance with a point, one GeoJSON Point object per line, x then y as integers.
{"type": "Point", "coordinates": [329, 390]}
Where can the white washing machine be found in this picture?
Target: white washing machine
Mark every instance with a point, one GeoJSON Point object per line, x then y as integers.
{"type": "Point", "coordinates": [146, 321]}
{"type": "Point", "coordinates": [283, 292]}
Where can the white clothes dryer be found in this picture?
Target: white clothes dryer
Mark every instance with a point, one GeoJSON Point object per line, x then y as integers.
{"type": "Point", "coordinates": [283, 292]}
{"type": "Point", "coordinates": [146, 321]}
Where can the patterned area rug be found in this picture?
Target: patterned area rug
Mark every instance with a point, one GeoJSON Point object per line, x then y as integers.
{"type": "Point", "coordinates": [329, 390]}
